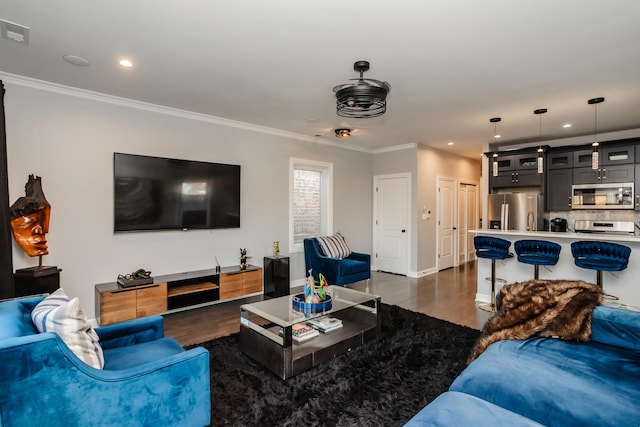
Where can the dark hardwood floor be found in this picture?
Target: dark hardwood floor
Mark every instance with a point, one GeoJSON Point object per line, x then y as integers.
{"type": "Point", "coordinates": [448, 295]}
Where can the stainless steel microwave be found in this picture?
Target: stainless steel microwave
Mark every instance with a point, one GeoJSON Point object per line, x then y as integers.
{"type": "Point", "coordinates": [603, 196]}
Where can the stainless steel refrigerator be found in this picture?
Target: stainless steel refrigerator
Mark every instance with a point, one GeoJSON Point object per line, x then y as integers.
{"type": "Point", "coordinates": [515, 211]}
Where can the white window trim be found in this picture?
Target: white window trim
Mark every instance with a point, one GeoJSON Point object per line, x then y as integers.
{"type": "Point", "coordinates": [327, 184]}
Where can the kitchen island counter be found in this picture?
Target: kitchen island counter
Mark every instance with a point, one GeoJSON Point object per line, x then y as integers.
{"type": "Point", "coordinates": [623, 284]}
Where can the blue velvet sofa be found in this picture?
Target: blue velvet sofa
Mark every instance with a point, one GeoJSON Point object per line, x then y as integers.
{"type": "Point", "coordinates": [147, 380]}
{"type": "Point", "coordinates": [354, 268]}
{"type": "Point", "coordinates": [550, 382]}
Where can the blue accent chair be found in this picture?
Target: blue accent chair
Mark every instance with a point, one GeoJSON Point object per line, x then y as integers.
{"type": "Point", "coordinates": [537, 253]}
{"type": "Point", "coordinates": [354, 268]}
{"type": "Point", "coordinates": [492, 248]}
{"type": "Point", "coordinates": [147, 380]}
{"type": "Point", "coordinates": [600, 256]}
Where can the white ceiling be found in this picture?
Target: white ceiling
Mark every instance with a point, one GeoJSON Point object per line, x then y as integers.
{"type": "Point", "coordinates": [452, 65]}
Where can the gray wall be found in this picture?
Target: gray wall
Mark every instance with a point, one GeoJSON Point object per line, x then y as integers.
{"type": "Point", "coordinates": [431, 164]}
{"type": "Point", "coordinates": [425, 165]}
{"type": "Point", "coordinates": [69, 137]}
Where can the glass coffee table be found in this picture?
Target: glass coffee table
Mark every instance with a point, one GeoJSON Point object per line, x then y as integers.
{"type": "Point", "coordinates": [266, 330]}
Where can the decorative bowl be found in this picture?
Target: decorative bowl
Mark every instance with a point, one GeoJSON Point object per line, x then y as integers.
{"type": "Point", "coordinates": [300, 305]}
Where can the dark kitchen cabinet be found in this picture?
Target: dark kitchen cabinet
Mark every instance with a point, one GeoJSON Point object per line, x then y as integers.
{"type": "Point", "coordinates": [617, 155]}
{"type": "Point", "coordinates": [557, 193]}
{"type": "Point", "coordinates": [607, 156]}
{"type": "Point", "coordinates": [559, 160]}
{"type": "Point", "coordinates": [604, 174]}
{"type": "Point", "coordinates": [516, 170]}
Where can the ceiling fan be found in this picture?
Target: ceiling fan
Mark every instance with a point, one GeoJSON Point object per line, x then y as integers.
{"type": "Point", "coordinates": [363, 99]}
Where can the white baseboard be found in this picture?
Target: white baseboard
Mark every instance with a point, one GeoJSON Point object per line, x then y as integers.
{"type": "Point", "coordinates": [422, 273]}
{"type": "Point", "coordinates": [483, 298]}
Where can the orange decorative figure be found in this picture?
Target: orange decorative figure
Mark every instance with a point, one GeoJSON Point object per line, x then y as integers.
{"type": "Point", "coordinates": [30, 219]}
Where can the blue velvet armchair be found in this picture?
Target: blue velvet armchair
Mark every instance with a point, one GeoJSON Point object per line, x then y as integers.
{"type": "Point", "coordinates": [147, 380]}
{"type": "Point", "coordinates": [356, 267]}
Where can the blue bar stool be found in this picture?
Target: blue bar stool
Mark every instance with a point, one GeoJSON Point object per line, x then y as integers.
{"type": "Point", "coordinates": [492, 248]}
{"type": "Point", "coordinates": [600, 256]}
{"type": "Point", "coordinates": [537, 252]}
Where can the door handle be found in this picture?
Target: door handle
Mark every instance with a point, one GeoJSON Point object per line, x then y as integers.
{"type": "Point", "coordinates": [404, 231]}
{"type": "Point", "coordinates": [454, 228]}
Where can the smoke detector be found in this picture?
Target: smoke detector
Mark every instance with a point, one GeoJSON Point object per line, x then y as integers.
{"type": "Point", "coordinates": [16, 32]}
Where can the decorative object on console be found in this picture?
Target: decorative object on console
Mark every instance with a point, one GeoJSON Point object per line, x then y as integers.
{"type": "Point", "coordinates": [276, 249]}
{"type": "Point", "coordinates": [243, 259]}
{"type": "Point", "coordinates": [137, 278]}
{"type": "Point", "coordinates": [364, 99]}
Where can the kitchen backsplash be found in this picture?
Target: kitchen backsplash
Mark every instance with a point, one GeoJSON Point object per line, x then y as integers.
{"type": "Point", "coordinates": [600, 215]}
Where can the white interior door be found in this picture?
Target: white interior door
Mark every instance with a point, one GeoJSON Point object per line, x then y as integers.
{"type": "Point", "coordinates": [473, 216]}
{"type": "Point", "coordinates": [447, 220]}
{"type": "Point", "coordinates": [467, 220]}
{"type": "Point", "coordinates": [462, 223]}
{"type": "Point", "coordinates": [391, 198]}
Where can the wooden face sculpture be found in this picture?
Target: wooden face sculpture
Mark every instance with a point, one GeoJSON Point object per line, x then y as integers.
{"type": "Point", "coordinates": [30, 219]}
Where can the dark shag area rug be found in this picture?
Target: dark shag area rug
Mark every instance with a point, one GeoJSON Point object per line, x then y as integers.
{"type": "Point", "coordinates": [383, 383]}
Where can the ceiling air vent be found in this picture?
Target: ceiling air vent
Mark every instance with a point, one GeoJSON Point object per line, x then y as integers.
{"type": "Point", "coordinates": [16, 32]}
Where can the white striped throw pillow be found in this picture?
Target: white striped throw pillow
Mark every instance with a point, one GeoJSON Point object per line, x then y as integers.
{"type": "Point", "coordinates": [57, 313]}
{"type": "Point", "coordinates": [334, 246]}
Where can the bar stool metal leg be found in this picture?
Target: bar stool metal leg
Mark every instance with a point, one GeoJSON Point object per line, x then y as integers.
{"type": "Point", "coordinates": [492, 305]}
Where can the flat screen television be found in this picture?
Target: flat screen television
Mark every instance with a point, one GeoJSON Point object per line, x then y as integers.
{"type": "Point", "coordinates": [155, 193]}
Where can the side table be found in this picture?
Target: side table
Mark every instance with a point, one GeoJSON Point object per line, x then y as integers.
{"type": "Point", "coordinates": [276, 276]}
{"type": "Point", "coordinates": [36, 280]}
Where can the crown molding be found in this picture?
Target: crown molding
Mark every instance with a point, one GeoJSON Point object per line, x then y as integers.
{"type": "Point", "coordinates": [407, 146]}
{"type": "Point", "coordinates": [175, 112]}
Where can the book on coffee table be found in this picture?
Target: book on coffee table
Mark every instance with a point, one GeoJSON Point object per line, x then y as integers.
{"type": "Point", "coordinates": [325, 324]}
{"type": "Point", "coordinates": [301, 332]}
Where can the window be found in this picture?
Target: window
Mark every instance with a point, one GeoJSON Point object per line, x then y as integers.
{"type": "Point", "coordinates": [310, 201]}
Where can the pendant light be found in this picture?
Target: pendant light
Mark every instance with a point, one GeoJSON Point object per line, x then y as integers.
{"type": "Point", "coordinates": [495, 121]}
{"type": "Point", "coordinates": [594, 154]}
{"type": "Point", "coordinates": [540, 112]}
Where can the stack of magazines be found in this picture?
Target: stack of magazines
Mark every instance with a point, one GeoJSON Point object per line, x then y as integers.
{"type": "Point", "coordinates": [325, 324]}
{"type": "Point", "coordinates": [301, 333]}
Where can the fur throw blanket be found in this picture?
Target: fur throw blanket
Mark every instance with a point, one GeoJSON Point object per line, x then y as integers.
{"type": "Point", "coordinates": [547, 308]}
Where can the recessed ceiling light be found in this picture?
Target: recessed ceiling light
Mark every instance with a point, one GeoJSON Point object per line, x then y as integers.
{"type": "Point", "coordinates": [76, 60]}
{"type": "Point", "coordinates": [449, 143]}
{"type": "Point", "coordinates": [567, 125]}
{"type": "Point", "coordinates": [126, 63]}
{"type": "Point", "coordinates": [498, 136]}
{"type": "Point", "coordinates": [312, 120]}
